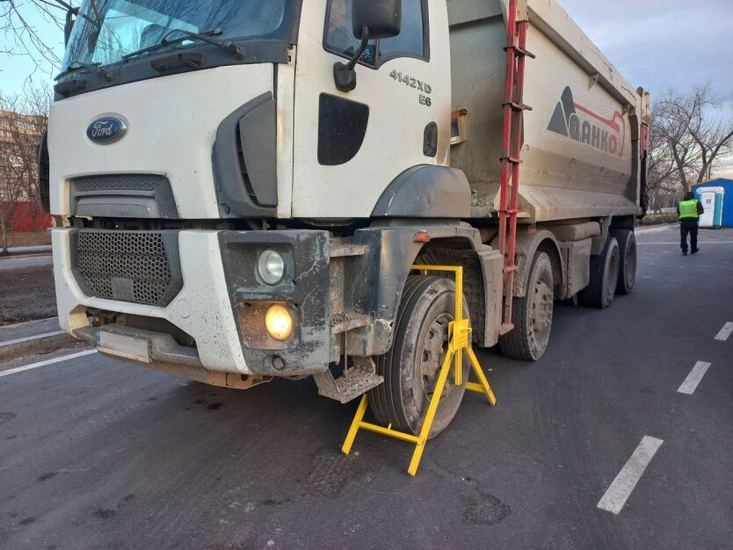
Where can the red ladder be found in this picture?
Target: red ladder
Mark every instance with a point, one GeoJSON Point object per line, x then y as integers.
{"type": "Point", "coordinates": [511, 144]}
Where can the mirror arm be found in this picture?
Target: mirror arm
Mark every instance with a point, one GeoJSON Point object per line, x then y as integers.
{"type": "Point", "coordinates": [69, 26]}
{"type": "Point", "coordinates": [344, 74]}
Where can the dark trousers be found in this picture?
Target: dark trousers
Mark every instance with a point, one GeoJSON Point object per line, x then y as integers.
{"type": "Point", "coordinates": [691, 228]}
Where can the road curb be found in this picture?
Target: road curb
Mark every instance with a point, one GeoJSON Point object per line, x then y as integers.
{"type": "Point", "coordinates": [654, 228]}
{"type": "Point", "coordinates": [42, 344]}
{"type": "Point", "coordinates": [29, 344]}
{"type": "Point", "coordinates": [26, 256]}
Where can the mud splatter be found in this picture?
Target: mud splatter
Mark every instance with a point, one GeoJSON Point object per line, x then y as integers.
{"type": "Point", "coordinates": [485, 509]}
{"type": "Point", "coordinates": [104, 513]}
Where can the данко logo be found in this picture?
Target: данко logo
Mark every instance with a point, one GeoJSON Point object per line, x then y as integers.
{"type": "Point", "coordinates": [106, 130]}
{"type": "Point", "coordinates": [579, 123]}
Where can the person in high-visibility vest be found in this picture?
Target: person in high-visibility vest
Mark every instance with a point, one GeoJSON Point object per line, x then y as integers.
{"type": "Point", "coordinates": [689, 210]}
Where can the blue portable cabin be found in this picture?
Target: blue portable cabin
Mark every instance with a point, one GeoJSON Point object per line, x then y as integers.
{"type": "Point", "coordinates": [727, 203]}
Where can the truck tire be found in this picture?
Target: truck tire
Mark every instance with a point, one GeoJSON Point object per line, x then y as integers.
{"type": "Point", "coordinates": [627, 261]}
{"type": "Point", "coordinates": [604, 270]}
{"type": "Point", "coordinates": [532, 314]}
{"type": "Point", "coordinates": [412, 366]}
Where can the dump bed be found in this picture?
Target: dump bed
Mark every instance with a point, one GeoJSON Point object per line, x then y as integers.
{"type": "Point", "coordinates": [580, 154]}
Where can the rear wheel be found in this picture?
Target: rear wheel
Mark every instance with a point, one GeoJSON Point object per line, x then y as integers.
{"type": "Point", "coordinates": [604, 270]}
{"type": "Point", "coordinates": [627, 260]}
{"type": "Point", "coordinates": [532, 314]}
{"type": "Point", "coordinates": [412, 366]}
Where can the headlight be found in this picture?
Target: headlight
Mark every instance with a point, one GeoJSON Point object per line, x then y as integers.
{"type": "Point", "coordinates": [271, 267]}
{"type": "Point", "coordinates": [279, 322]}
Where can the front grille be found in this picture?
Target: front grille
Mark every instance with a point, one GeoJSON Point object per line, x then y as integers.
{"type": "Point", "coordinates": [120, 182]}
{"type": "Point", "coordinates": [142, 267]}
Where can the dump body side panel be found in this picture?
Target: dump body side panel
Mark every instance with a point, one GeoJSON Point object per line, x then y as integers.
{"type": "Point", "coordinates": [578, 156]}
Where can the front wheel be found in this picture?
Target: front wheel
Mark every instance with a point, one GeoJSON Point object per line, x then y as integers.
{"type": "Point", "coordinates": [411, 368]}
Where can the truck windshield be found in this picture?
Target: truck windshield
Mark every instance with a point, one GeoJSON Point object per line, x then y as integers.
{"type": "Point", "coordinates": [108, 30]}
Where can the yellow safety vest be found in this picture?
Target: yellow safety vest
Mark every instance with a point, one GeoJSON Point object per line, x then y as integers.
{"type": "Point", "coordinates": [688, 210]}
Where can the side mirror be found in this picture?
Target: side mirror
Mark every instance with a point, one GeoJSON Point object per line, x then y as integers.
{"type": "Point", "coordinates": [370, 19]}
{"type": "Point", "coordinates": [381, 18]}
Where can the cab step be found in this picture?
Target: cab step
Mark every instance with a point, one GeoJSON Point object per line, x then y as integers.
{"type": "Point", "coordinates": [342, 250]}
{"type": "Point", "coordinates": [355, 381]}
{"type": "Point", "coordinates": [343, 322]}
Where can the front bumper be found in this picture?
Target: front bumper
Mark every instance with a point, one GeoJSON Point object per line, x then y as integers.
{"type": "Point", "coordinates": [217, 305]}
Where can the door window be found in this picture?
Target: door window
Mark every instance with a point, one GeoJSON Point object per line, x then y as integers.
{"type": "Point", "coordinates": [411, 42]}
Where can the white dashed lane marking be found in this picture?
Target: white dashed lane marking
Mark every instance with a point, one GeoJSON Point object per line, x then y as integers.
{"type": "Point", "coordinates": [618, 493]}
{"type": "Point", "coordinates": [693, 379]}
{"type": "Point", "coordinates": [725, 332]}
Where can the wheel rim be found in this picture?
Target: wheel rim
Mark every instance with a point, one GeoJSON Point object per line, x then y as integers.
{"type": "Point", "coordinates": [541, 305]}
{"type": "Point", "coordinates": [434, 348]}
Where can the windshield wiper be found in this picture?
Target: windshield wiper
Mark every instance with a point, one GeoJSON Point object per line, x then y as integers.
{"type": "Point", "coordinates": [205, 36]}
{"type": "Point", "coordinates": [227, 45]}
{"type": "Point", "coordinates": [77, 66]}
{"type": "Point", "coordinates": [165, 43]}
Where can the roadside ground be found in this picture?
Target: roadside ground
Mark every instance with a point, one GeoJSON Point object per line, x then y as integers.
{"type": "Point", "coordinates": [27, 293]}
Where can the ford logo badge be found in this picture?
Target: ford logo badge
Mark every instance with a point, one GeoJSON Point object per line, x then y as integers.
{"type": "Point", "coordinates": [106, 130]}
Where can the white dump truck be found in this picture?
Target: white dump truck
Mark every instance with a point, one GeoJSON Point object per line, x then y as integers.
{"type": "Point", "coordinates": [241, 188]}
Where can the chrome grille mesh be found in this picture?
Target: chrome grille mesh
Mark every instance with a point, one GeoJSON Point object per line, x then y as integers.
{"type": "Point", "coordinates": [133, 266]}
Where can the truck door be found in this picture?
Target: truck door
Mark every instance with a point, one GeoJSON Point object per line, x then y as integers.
{"type": "Point", "coordinates": [348, 147]}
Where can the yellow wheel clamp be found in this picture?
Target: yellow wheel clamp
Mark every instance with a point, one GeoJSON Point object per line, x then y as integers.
{"type": "Point", "coordinates": [459, 333]}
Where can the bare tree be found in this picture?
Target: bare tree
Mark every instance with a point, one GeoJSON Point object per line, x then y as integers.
{"type": "Point", "coordinates": [690, 133]}
{"type": "Point", "coordinates": [662, 173]}
{"type": "Point", "coordinates": [711, 131]}
{"type": "Point", "coordinates": [23, 119]}
{"type": "Point", "coordinates": [23, 37]}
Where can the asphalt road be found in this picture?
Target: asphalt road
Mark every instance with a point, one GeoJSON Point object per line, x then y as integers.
{"type": "Point", "coordinates": [95, 453]}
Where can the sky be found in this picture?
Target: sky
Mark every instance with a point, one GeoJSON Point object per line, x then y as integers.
{"type": "Point", "coordinates": [653, 43]}
{"type": "Point", "coordinates": [656, 43]}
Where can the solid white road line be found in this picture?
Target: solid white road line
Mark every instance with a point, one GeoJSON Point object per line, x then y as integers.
{"type": "Point", "coordinates": [47, 362]}
{"type": "Point", "coordinates": [705, 243]}
{"type": "Point", "coordinates": [725, 332]}
{"type": "Point", "coordinates": [693, 379]}
{"type": "Point", "coordinates": [31, 338]}
{"type": "Point", "coordinates": [620, 490]}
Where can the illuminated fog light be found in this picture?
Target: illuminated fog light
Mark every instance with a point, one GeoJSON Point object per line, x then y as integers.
{"type": "Point", "coordinates": [271, 267]}
{"type": "Point", "coordinates": [279, 322]}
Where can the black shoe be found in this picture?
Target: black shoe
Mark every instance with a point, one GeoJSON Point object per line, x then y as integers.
{"type": "Point", "coordinates": [684, 252]}
{"type": "Point", "coordinates": [695, 251]}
